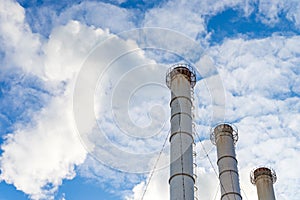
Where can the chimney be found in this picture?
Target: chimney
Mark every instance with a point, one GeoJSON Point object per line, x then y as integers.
{"type": "Point", "coordinates": [225, 137]}
{"type": "Point", "coordinates": [264, 178]}
{"type": "Point", "coordinates": [181, 79]}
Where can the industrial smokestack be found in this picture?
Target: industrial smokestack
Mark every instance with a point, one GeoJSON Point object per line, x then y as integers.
{"type": "Point", "coordinates": [181, 79]}
{"type": "Point", "coordinates": [264, 178]}
{"type": "Point", "coordinates": [225, 137]}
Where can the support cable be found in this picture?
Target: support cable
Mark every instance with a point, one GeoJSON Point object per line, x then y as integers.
{"type": "Point", "coordinates": [244, 193]}
{"type": "Point", "coordinates": [217, 191]}
{"type": "Point", "coordinates": [206, 154]}
{"type": "Point", "coordinates": [154, 167]}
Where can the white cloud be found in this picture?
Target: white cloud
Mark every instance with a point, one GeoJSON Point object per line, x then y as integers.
{"type": "Point", "coordinates": [102, 15]}
{"type": "Point", "coordinates": [170, 16]}
{"type": "Point", "coordinates": [67, 48]}
{"type": "Point", "coordinates": [156, 186]}
{"type": "Point", "coordinates": [43, 154]}
{"type": "Point", "coordinates": [271, 12]}
{"type": "Point", "coordinates": [189, 17]}
{"type": "Point", "coordinates": [21, 46]}
{"type": "Point", "coordinates": [46, 151]}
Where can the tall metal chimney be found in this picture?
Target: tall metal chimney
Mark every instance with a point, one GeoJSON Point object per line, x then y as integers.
{"type": "Point", "coordinates": [181, 79]}
{"type": "Point", "coordinates": [225, 137]}
{"type": "Point", "coordinates": [264, 178]}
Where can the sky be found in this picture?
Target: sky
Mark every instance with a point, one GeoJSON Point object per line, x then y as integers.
{"type": "Point", "coordinates": [84, 108]}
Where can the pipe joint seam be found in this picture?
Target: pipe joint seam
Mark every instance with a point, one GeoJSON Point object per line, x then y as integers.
{"type": "Point", "coordinates": [184, 97]}
{"type": "Point", "coordinates": [183, 113]}
{"type": "Point", "coordinates": [181, 174]}
{"type": "Point", "coordinates": [226, 156]}
{"type": "Point", "coordinates": [179, 132]}
{"type": "Point", "coordinates": [228, 170]}
{"type": "Point", "coordinates": [234, 193]}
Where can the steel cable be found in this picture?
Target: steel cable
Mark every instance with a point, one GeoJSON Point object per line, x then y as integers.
{"type": "Point", "coordinates": [154, 167]}
{"type": "Point", "coordinates": [215, 171]}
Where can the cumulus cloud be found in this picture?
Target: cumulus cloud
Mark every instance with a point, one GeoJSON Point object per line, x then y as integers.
{"type": "Point", "coordinates": [67, 48]}
{"type": "Point", "coordinates": [21, 46]}
{"type": "Point", "coordinates": [45, 154]}
{"type": "Point", "coordinates": [160, 17]}
{"type": "Point", "coordinates": [49, 147]}
{"type": "Point", "coordinates": [46, 150]}
{"type": "Point", "coordinates": [99, 14]}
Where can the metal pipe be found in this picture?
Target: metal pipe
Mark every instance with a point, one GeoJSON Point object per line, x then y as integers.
{"type": "Point", "coordinates": [181, 79]}
{"type": "Point", "coordinates": [224, 137]}
{"type": "Point", "coordinates": [264, 178]}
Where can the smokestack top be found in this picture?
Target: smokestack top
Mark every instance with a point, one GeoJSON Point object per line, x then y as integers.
{"type": "Point", "coordinates": [224, 129]}
{"type": "Point", "coordinates": [183, 69]}
{"type": "Point", "coordinates": [262, 172]}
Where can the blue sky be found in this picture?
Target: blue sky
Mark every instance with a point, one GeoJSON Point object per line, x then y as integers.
{"type": "Point", "coordinates": [246, 52]}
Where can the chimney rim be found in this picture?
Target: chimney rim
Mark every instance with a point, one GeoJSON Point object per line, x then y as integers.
{"type": "Point", "coordinates": [268, 171]}
{"type": "Point", "coordinates": [184, 66]}
{"type": "Point", "coordinates": [232, 128]}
